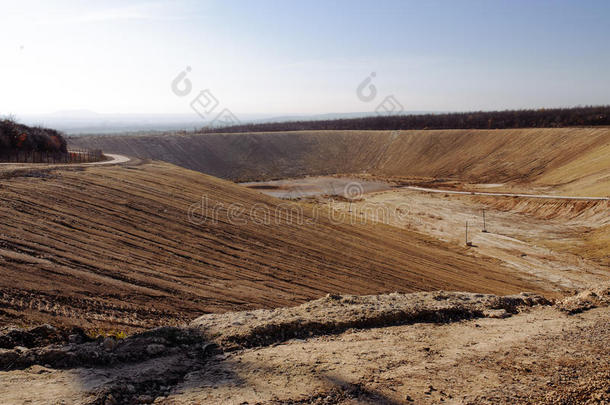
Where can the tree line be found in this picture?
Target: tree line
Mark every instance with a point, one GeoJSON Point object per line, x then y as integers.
{"type": "Point", "coordinates": [540, 118]}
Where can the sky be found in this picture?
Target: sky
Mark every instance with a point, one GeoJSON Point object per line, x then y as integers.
{"type": "Point", "coordinates": [302, 57]}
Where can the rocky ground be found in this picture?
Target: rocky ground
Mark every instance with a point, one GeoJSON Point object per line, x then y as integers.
{"type": "Point", "coordinates": [397, 348]}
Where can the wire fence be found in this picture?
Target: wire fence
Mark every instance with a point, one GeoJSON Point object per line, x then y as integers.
{"type": "Point", "coordinates": [72, 156]}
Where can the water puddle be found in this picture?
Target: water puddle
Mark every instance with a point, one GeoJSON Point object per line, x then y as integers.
{"type": "Point", "coordinates": [347, 187]}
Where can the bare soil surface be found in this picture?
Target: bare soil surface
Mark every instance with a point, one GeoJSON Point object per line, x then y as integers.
{"type": "Point", "coordinates": [544, 240]}
{"type": "Point", "coordinates": [555, 241]}
{"type": "Point", "coordinates": [572, 161]}
{"type": "Point", "coordinates": [336, 313]}
{"type": "Point", "coordinates": [129, 247]}
{"type": "Point", "coordinates": [115, 248]}
{"type": "Point", "coordinates": [435, 348]}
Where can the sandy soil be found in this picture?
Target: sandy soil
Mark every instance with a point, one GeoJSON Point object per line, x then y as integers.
{"type": "Point", "coordinates": [548, 238]}
{"type": "Point", "coordinates": [541, 245]}
{"type": "Point", "coordinates": [114, 248]}
{"type": "Point", "coordinates": [531, 357]}
{"type": "Point", "coordinates": [488, 350]}
{"type": "Point", "coordinates": [571, 161]}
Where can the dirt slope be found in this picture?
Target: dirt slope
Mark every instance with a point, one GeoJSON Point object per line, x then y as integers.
{"type": "Point", "coordinates": [114, 247]}
{"type": "Point", "coordinates": [589, 174]}
{"type": "Point", "coordinates": [575, 158]}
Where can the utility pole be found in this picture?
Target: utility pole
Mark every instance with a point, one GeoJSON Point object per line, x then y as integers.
{"type": "Point", "coordinates": [484, 223]}
{"type": "Point", "coordinates": [467, 243]}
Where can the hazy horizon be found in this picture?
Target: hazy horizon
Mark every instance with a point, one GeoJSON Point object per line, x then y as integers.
{"type": "Point", "coordinates": [90, 122]}
{"type": "Point", "coordinates": [273, 58]}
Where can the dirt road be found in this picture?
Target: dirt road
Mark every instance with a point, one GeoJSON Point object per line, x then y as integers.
{"type": "Point", "coordinates": [552, 197]}
{"type": "Point", "coordinates": [114, 159]}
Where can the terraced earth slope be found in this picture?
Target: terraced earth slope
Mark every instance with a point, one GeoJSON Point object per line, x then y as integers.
{"type": "Point", "coordinates": [572, 160]}
{"type": "Point", "coordinates": [115, 247]}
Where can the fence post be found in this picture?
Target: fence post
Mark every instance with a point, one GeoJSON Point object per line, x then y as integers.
{"type": "Point", "coordinates": [39, 156]}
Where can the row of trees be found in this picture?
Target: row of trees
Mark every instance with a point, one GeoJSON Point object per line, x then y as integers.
{"type": "Point", "coordinates": [542, 118]}
{"type": "Point", "coordinates": [17, 137]}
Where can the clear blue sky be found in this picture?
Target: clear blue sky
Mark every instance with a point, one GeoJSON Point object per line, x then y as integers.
{"type": "Point", "coordinates": [282, 57]}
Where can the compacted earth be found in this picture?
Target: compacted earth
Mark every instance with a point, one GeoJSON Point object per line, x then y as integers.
{"type": "Point", "coordinates": [142, 282]}
{"type": "Point", "coordinates": [436, 347]}
{"type": "Point", "coordinates": [144, 244]}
